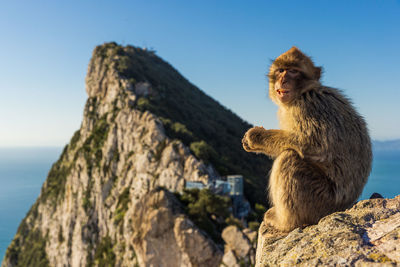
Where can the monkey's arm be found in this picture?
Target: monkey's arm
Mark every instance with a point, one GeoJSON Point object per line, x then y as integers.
{"type": "Point", "coordinates": [270, 142]}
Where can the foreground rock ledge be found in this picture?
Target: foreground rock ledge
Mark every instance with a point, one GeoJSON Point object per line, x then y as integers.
{"type": "Point", "coordinates": [368, 234]}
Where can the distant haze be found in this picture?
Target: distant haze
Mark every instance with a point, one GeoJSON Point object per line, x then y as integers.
{"type": "Point", "coordinates": [386, 145]}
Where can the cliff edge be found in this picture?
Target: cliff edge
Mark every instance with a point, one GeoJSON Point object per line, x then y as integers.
{"type": "Point", "coordinates": [368, 234]}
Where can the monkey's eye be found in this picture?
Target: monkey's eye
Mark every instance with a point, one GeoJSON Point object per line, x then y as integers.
{"type": "Point", "coordinates": [281, 70]}
{"type": "Point", "coordinates": [293, 71]}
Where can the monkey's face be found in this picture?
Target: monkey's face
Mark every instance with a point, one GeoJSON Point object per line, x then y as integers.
{"type": "Point", "coordinates": [287, 84]}
{"type": "Point", "coordinates": [290, 75]}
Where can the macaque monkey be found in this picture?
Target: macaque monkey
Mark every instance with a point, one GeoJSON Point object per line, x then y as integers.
{"type": "Point", "coordinates": [322, 153]}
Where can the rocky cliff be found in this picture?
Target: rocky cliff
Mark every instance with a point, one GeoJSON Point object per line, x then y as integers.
{"type": "Point", "coordinates": [107, 201]}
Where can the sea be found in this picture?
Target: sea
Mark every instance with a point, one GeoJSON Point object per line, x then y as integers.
{"type": "Point", "coordinates": [23, 171]}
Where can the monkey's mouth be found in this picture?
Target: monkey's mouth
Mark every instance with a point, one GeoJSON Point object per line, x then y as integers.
{"type": "Point", "coordinates": [282, 92]}
{"type": "Point", "coordinates": [284, 95]}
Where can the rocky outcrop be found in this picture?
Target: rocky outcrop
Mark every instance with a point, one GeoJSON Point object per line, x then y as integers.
{"type": "Point", "coordinates": [165, 237]}
{"type": "Point", "coordinates": [239, 246]}
{"type": "Point", "coordinates": [97, 205]}
{"type": "Point", "coordinates": [368, 234]}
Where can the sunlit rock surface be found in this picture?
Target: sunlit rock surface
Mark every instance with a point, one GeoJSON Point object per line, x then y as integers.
{"type": "Point", "coordinates": [90, 209]}
{"type": "Point", "coordinates": [368, 234]}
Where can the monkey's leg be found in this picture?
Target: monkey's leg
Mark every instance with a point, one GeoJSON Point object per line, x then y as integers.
{"type": "Point", "coordinates": [301, 193]}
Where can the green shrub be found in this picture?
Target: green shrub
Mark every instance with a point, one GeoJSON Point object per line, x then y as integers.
{"type": "Point", "coordinates": [123, 64]}
{"type": "Point", "coordinates": [74, 139]}
{"type": "Point", "coordinates": [122, 206]}
{"type": "Point", "coordinates": [119, 216]}
{"type": "Point", "coordinates": [104, 255]}
{"type": "Point", "coordinates": [181, 131]}
{"type": "Point", "coordinates": [177, 130]}
{"type": "Point", "coordinates": [28, 249]}
{"type": "Point", "coordinates": [203, 151]}
{"type": "Point", "coordinates": [54, 187]}
{"type": "Point", "coordinates": [86, 204]}
{"type": "Point", "coordinates": [254, 226]}
{"type": "Point", "coordinates": [143, 103]}
{"type": "Point", "coordinates": [257, 214]}
{"type": "Point", "coordinates": [234, 221]}
{"type": "Point", "coordinates": [207, 210]}
{"type": "Point", "coordinates": [93, 145]}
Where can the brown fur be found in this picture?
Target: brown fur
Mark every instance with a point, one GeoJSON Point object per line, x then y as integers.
{"type": "Point", "coordinates": [322, 151]}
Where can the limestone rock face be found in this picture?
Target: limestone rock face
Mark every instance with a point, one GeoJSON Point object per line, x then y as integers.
{"type": "Point", "coordinates": [238, 246]}
{"type": "Point", "coordinates": [98, 204]}
{"type": "Point", "coordinates": [368, 234]}
{"type": "Point", "coordinates": [165, 237]}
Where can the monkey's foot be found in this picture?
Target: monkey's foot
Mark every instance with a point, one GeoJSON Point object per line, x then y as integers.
{"type": "Point", "coordinates": [270, 234]}
{"type": "Point", "coordinates": [270, 217]}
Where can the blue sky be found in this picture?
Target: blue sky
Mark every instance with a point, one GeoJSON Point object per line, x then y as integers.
{"type": "Point", "coordinates": [223, 47]}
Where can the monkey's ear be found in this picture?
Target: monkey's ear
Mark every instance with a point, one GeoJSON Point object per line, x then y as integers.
{"type": "Point", "coordinates": [317, 73]}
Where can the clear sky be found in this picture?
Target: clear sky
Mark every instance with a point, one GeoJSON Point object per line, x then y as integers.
{"type": "Point", "coordinates": [223, 47]}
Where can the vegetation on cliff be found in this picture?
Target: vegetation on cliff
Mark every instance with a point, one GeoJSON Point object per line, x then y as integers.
{"type": "Point", "coordinates": [211, 131]}
{"type": "Point", "coordinates": [208, 211]}
{"type": "Point", "coordinates": [28, 246]}
{"type": "Point", "coordinates": [87, 206]}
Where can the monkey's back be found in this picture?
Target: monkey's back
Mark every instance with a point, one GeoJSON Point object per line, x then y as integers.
{"type": "Point", "coordinates": [335, 137]}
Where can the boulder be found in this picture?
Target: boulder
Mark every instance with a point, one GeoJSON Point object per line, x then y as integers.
{"type": "Point", "coordinates": [239, 249]}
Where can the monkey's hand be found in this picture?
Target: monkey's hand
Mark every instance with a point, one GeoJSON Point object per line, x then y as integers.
{"type": "Point", "coordinates": [254, 139]}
